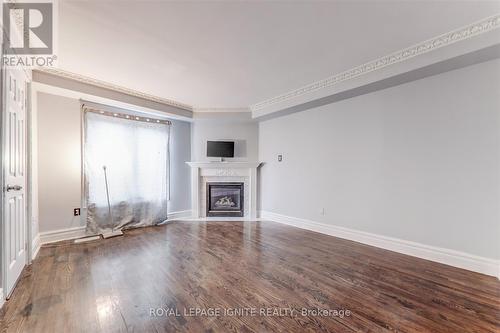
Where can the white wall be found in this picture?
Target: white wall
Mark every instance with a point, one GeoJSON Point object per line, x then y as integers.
{"type": "Point", "coordinates": [231, 127]}
{"type": "Point", "coordinates": [418, 162]}
{"type": "Point", "coordinates": [59, 163]}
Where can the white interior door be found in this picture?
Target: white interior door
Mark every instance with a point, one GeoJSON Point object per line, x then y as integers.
{"type": "Point", "coordinates": [14, 154]}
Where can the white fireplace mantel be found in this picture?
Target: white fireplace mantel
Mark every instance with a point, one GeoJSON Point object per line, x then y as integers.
{"type": "Point", "coordinates": [224, 172]}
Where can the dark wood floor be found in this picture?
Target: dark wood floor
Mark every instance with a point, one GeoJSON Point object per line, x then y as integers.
{"type": "Point", "coordinates": [112, 285]}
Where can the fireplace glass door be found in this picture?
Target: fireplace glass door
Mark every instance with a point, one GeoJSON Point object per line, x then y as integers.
{"type": "Point", "coordinates": [225, 199]}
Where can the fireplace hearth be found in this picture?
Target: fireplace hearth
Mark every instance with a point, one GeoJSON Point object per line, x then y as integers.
{"type": "Point", "coordinates": [225, 199]}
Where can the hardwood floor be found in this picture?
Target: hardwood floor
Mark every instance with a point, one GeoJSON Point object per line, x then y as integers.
{"type": "Point", "coordinates": [113, 285]}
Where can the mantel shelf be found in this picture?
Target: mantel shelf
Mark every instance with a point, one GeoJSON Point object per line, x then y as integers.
{"type": "Point", "coordinates": [226, 165]}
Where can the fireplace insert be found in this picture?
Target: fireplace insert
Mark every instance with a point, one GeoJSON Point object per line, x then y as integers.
{"type": "Point", "coordinates": [225, 199]}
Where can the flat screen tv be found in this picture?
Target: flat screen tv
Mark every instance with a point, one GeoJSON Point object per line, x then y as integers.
{"type": "Point", "coordinates": [220, 148]}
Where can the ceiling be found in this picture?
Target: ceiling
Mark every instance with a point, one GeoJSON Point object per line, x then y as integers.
{"type": "Point", "coordinates": [235, 54]}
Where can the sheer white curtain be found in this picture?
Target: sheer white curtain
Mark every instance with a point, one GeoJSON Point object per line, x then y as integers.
{"type": "Point", "coordinates": [134, 157]}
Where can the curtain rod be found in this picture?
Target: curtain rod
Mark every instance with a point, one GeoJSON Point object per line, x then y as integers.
{"type": "Point", "coordinates": [125, 116]}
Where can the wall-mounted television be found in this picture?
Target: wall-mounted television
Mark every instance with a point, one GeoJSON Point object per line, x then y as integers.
{"type": "Point", "coordinates": [220, 148]}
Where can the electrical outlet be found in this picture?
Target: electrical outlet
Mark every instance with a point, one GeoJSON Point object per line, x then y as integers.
{"type": "Point", "coordinates": [280, 158]}
{"type": "Point", "coordinates": [76, 212]}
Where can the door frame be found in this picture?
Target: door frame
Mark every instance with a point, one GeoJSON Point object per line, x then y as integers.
{"type": "Point", "coordinates": [2, 108]}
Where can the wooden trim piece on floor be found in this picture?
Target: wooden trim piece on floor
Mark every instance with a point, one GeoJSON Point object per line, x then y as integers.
{"type": "Point", "coordinates": [2, 298]}
{"type": "Point", "coordinates": [35, 246]}
{"type": "Point", "coordinates": [445, 256]}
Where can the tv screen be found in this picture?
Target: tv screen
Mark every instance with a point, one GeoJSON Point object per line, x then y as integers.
{"type": "Point", "coordinates": [220, 148]}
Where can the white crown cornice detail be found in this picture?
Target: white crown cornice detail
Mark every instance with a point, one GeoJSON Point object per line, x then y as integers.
{"type": "Point", "coordinates": [469, 31]}
{"type": "Point", "coordinates": [110, 86]}
{"type": "Point", "coordinates": [221, 110]}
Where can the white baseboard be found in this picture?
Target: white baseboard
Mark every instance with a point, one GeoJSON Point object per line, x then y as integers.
{"type": "Point", "coordinates": [62, 234]}
{"type": "Point", "coordinates": [35, 246]}
{"type": "Point", "coordinates": [445, 256]}
{"type": "Point", "coordinates": [78, 232]}
{"type": "Point", "coordinates": [183, 214]}
{"type": "Point", "coordinates": [222, 219]}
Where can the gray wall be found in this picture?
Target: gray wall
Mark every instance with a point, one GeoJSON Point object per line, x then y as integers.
{"type": "Point", "coordinates": [233, 127]}
{"type": "Point", "coordinates": [180, 173]}
{"type": "Point", "coordinates": [418, 162]}
{"type": "Point", "coordinates": [59, 163]}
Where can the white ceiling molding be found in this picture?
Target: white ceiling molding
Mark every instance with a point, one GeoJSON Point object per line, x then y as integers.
{"type": "Point", "coordinates": [106, 85]}
{"type": "Point", "coordinates": [469, 31]}
{"type": "Point", "coordinates": [221, 110]}
{"type": "Point", "coordinates": [37, 87]}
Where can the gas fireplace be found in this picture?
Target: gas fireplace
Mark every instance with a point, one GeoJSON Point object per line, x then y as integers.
{"type": "Point", "coordinates": [225, 199]}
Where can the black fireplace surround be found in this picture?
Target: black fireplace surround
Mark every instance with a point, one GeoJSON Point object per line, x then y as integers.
{"type": "Point", "coordinates": [225, 199]}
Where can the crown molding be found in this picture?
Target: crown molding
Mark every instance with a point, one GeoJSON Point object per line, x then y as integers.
{"type": "Point", "coordinates": [469, 31]}
{"type": "Point", "coordinates": [457, 35]}
{"type": "Point", "coordinates": [110, 86]}
{"type": "Point", "coordinates": [221, 110]}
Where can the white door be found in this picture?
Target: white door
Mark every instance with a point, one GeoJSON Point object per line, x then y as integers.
{"type": "Point", "coordinates": [14, 154]}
